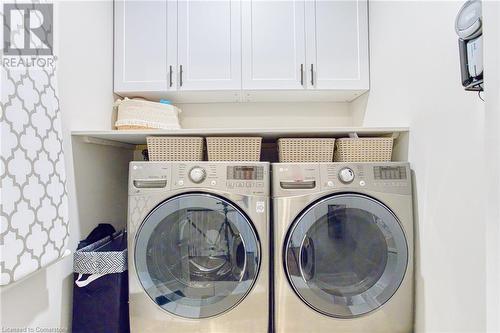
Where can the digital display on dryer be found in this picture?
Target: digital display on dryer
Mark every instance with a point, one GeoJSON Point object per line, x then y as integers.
{"type": "Point", "coordinates": [389, 172]}
{"type": "Point", "coordinates": [245, 172]}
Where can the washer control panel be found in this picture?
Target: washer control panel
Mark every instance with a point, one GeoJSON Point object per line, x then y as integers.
{"type": "Point", "coordinates": [389, 176]}
{"type": "Point", "coordinates": [298, 176]}
{"type": "Point", "coordinates": [390, 172]}
{"type": "Point", "coordinates": [245, 176]}
{"type": "Point", "coordinates": [245, 172]}
{"type": "Point", "coordinates": [250, 178]}
{"type": "Point", "coordinates": [149, 177]}
{"type": "Point", "coordinates": [301, 178]}
{"type": "Point", "coordinates": [240, 177]}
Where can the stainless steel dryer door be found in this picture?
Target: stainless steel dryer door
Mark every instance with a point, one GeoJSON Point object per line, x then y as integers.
{"type": "Point", "coordinates": [197, 255]}
{"type": "Point", "coordinates": [346, 255]}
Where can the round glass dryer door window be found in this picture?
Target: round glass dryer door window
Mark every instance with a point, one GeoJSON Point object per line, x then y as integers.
{"type": "Point", "coordinates": [346, 255]}
{"type": "Point", "coordinates": [197, 255]}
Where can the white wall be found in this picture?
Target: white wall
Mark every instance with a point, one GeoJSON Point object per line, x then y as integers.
{"type": "Point", "coordinates": [265, 115]}
{"type": "Point", "coordinates": [492, 151]}
{"type": "Point", "coordinates": [415, 79]}
{"type": "Point", "coordinates": [86, 63]}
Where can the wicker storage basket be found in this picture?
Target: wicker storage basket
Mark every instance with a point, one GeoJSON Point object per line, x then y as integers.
{"type": "Point", "coordinates": [175, 148]}
{"type": "Point", "coordinates": [141, 114]}
{"type": "Point", "coordinates": [306, 149]}
{"type": "Point", "coordinates": [234, 148]}
{"type": "Point", "coordinates": [363, 150]}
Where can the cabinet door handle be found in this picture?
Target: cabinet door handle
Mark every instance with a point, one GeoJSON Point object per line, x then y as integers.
{"type": "Point", "coordinates": [312, 75]}
{"type": "Point", "coordinates": [180, 75]}
{"type": "Point", "coordinates": [170, 76]}
{"type": "Point", "coordinates": [302, 74]}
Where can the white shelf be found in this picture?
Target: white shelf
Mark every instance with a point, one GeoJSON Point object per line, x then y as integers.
{"type": "Point", "coordinates": [118, 138]}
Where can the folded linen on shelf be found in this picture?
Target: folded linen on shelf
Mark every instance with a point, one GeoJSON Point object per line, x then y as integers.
{"type": "Point", "coordinates": [142, 114]}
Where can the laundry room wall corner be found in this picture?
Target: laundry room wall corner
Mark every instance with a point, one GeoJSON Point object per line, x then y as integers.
{"type": "Point", "coordinates": [85, 79]}
{"type": "Point", "coordinates": [491, 13]}
{"type": "Point", "coordinates": [445, 145]}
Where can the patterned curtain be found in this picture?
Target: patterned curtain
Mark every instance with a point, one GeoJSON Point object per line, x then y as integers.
{"type": "Point", "coordinates": [33, 196]}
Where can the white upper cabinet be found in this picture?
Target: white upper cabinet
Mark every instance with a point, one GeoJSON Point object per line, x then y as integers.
{"type": "Point", "coordinates": [209, 45]}
{"type": "Point", "coordinates": [241, 50]}
{"type": "Point", "coordinates": [273, 44]}
{"type": "Point", "coordinates": [143, 50]}
{"type": "Point", "coordinates": [337, 44]}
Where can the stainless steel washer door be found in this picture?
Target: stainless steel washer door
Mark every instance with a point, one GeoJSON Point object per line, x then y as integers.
{"type": "Point", "coordinates": [346, 255]}
{"type": "Point", "coordinates": [197, 255]}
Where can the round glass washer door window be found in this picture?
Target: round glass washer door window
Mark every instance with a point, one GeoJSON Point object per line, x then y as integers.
{"type": "Point", "coordinates": [197, 255]}
{"type": "Point", "coordinates": [346, 255]}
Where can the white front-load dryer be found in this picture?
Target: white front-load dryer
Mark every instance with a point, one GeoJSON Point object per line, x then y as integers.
{"type": "Point", "coordinates": [198, 247]}
{"type": "Point", "coordinates": [343, 240]}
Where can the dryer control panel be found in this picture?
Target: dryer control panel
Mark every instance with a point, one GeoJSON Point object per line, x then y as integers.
{"type": "Point", "coordinates": [390, 177]}
{"type": "Point", "coordinates": [301, 178]}
{"type": "Point", "coordinates": [247, 178]}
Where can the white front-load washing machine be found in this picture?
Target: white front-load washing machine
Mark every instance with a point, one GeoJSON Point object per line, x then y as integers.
{"type": "Point", "coordinates": [198, 246]}
{"type": "Point", "coordinates": [343, 235]}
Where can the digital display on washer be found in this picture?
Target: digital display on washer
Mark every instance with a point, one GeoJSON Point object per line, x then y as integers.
{"type": "Point", "coordinates": [389, 172]}
{"type": "Point", "coordinates": [245, 172]}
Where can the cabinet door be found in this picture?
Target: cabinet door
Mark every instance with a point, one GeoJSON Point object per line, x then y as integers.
{"type": "Point", "coordinates": [209, 42]}
{"type": "Point", "coordinates": [144, 51]}
{"type": "Point", "coordinates": [337, 44]}
{"type": "Point", "coordinates": [273, 44]}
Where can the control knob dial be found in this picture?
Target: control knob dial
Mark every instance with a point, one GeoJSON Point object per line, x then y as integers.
{"type": "Point", "coordinates": [346, 175]}
{"type": "Point", "coordinates": [197, 175]}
